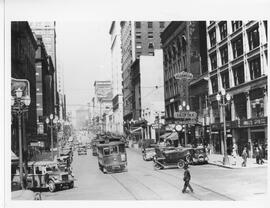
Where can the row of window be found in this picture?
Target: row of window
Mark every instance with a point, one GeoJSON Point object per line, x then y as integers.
{"type": "Point", "coordinates": [254, 66]}
{"type": "Point", "coordinates": [138, 25]}
{"type": "Point", "coordinates": [253, 34]}
{"type": "Point", "coordinates": [237, 48]}
{"type": "Point", "coordinates": [150, 35]}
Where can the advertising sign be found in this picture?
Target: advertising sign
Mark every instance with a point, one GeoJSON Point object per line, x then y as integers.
{"type": "Point", "coordinates": [23, 84]}
{"type": "Point", "coordinates": [185, 114]}
{"type": "Point", "coordinates": [183, 75]}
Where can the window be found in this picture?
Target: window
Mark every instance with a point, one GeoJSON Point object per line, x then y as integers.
{"type": "Point", "coordinates": [237, 46]}
{"type": "Point", "coordinates": [214, 83]}
{"type": "Point", "coordinates": [138, 45]}
{"type": "Point", "coordinates": [255, 68]}
{"type": "Point", "coordinates": [225, 79]}
{"type": "Point", "coordinates": [113, 150]}
{"type": "Point", "coordinates": [253, 38]}
{"type": "Point", "coordinates": [216, 113]}
{"type": "Point", "coordinates": [151, 53]}
{"type": "Point", "coordinates": [150, 45]}
{"type": "Point", "coordinates": [213, 59]}
{"type": "Point", "coordinates": [265, 27]}
{"type": "Point", "coordinates": [236, 25]}
{"type": "Point", "coordinates": [238, 74]}
{"type": "Point", "coordinates": [161, 24]}
{"type": "Point", "coordinates": [106, 151]}
{"type": "Point", "coordinates": [150, 24]}
{"type": "Point", "coordinates": [223, 29]}
{"type": "Point", "coordinates": [224, 55]}
{"type": "Point", "coordinates": [150, 35]}
{"type": "Point", "coordinates": [212, 37]}
{"type": "Point", "coordinates": [138, 25]}
{"type": "Point", "coordinates": [257, 102]}
{"type": "Point", "coordinates": [138, 35]}
{"type": "Point", "coordinates": [240, 104]}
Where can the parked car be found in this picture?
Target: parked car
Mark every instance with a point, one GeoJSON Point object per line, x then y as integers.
{"type": "Point", "coordinates": [171, 157]}
{"type": "Point", "coordinates": [46, 174]}
{"type": "Point", "coordinates": [148, 153]}
{"type": "Point", "coordinates": [198, 156]}
{"type": "Point", "coordinates": [82, 150]}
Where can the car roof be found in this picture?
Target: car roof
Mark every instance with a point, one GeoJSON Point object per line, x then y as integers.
{"type": "Point", "coordinates": [110, 144]}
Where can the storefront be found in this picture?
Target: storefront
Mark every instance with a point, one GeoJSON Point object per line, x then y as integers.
{"type": "Point", "coordinates": [252, 133]}
{"type": "Point", "coordinates": [217, 136]}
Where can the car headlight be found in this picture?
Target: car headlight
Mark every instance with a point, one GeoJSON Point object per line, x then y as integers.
{"type": "Point", "coordinates": [195, 159]}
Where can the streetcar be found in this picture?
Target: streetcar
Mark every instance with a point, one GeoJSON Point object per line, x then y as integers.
{"type": "Point", "coordinates": [112, 156]}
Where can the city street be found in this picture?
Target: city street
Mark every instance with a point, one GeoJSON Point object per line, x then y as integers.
{"type": "Point", "coordinates": [142, 182]}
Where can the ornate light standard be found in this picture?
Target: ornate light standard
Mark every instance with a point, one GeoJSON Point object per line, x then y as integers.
{"type": "Point", "coordinates": [19, 106]}
{"type": "Point", "coordinates": [223, 99]}
{"type": "Point", "coordinates": [53, 122]}
{"type": "Point", "coordinates": [184, 107]}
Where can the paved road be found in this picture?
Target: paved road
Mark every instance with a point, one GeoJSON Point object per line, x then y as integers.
{"type": "Point", "coordinates": [142, 182]}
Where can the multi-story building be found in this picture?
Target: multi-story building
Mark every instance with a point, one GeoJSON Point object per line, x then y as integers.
{"type": "Point", "coordinates": [48, 33]}
{"type": "Point", "coordinates": [137, 38]}
{"type": "Point", "coordinates": [147, 81]}
{"type": "Point", "coordinates": [185, 50]}
{"type": "Point", "coordinates": [44, 89]}
{"type": "Point", "coordinates": [117, 111]}
{"type": "Point", "coordinates": [101, 103]}
{"type": "Point", "coordinates": [23, 47]}
{"type": "Point", "coordinates": [238, 56]}
{"type": "Point", "coordinates": [81, 118]}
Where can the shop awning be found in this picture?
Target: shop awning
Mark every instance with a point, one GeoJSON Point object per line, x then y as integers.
{"type": "Point", "coordinates": [133, 131]}
{"type": "Point", "coordinates": [14, 157]}
{"type": "Point", "coordinates": [173, 136]}
{"type": "Point", "coordinates": [165, 135]}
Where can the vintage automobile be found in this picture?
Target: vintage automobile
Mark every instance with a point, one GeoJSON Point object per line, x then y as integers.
{"type": "Point", "coordinates": [82, 150]}
{"type": "Point", "coordinates": [148, 153]}
{"type": "Point", "coordinates": [171, 157]}
{"type": "Point", "coordinates": [198, 156]}
{"type": "Point", "coordinates": [46, 174]}
{"type": "Point", "coordinates": [112, 156]}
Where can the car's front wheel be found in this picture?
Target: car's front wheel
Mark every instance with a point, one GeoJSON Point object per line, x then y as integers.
{"type": "Point", "coordinates": [71, 185]}
{"type": "Point", "coordinates": [181, 163]}
{"type": "Point", "coordinates": [52, 186]}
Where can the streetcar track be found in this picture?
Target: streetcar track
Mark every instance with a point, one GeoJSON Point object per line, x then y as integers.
{"type": "Point", "coordinates": [205, 188]}
{"type": "Point", "coordinates": [148, 188]}
{"type": "Point", "coordinates": [125, 187]}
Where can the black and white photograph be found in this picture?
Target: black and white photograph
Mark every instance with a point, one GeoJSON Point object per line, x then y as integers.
{"type": "Point", "coordinates": [163, 108]}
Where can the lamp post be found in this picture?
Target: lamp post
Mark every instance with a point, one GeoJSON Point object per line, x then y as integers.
{"type": "Point", "coordinates": [185, 107]}
{"type": "Point", "coordinates": [51, 123]}
{"type": "Point", "coordinates": [223, 99]}
{"type": "Point", "coordinates": [19, 106]}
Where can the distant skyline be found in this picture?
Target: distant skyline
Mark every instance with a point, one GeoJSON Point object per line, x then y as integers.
{"type": "Point", "coordinates": [83, 54]}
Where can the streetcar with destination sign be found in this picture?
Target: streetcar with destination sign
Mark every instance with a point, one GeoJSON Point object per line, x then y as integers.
{"type": "Point", "coordinates": [112, 156]}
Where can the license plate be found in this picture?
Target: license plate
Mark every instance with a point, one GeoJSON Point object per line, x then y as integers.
{"type": "Point", "coordinates": [115, 166]}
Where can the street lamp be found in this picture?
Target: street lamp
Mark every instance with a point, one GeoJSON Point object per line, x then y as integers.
{"type": "Point", "coordinates": [223, 99]}
{"type": "Point", "coordinates": [53, 122]}
{"type": "Point", "coordinates": [19, 106]}
{"type": "Point", "coordinates": [185, 107]}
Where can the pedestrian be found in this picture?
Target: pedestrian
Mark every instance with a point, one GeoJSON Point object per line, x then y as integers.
{"type": "Point", "coordinates": [234, 156]}
{"type": "Point", "coordinates": [257, 155]}
{"type": "Point", "coordinates": [186, 179]}
{"type": "Point", "coordinates": [244, 156]}
{"type": "Point", "coordinates": [260, 155]}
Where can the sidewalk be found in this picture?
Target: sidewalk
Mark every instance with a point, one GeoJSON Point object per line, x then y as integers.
{"type": "Point", "coordinates": [217, 159]}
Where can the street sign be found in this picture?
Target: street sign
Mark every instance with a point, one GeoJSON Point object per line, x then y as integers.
{"type": "Point", "coordinates": [183, 75]}
{"type": "Point", "coordinates": [155, 126]}
{"type": "Point", "coordinates": [185, 114]}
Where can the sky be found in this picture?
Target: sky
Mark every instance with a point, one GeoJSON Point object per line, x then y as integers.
{"type": "Point", "coordinates": [83, 54]}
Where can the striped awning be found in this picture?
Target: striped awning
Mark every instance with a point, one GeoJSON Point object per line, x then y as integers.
{"type": "Point", "coordinates": [173, 136]}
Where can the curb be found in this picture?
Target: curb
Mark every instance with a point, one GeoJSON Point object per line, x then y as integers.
{"type": "Point", "coordinates": [231, 167]}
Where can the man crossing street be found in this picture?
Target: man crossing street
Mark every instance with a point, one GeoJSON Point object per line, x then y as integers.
{"type": "Point", "coordinates": [186, 179]}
